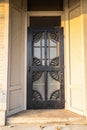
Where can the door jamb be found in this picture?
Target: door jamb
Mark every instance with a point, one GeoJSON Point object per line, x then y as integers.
{"type": "Point", "coordinates": [50, 13]}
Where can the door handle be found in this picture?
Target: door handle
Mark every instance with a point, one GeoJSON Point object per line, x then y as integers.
{"type": "Point", "coordinates": [29, 69]}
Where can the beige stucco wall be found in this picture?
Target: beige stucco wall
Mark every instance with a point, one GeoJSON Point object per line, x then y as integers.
{"type": "Point", "coordinates": [4, 36]}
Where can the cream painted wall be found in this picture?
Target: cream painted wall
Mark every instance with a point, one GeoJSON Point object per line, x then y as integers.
{"type": "Point", "coordinates": [4, 29]}
{"type": "Point", "coordinates": [74, 61]}
{"type": "Point", "coordinates": [84, 17]}
{"type": "Point", "coordinates": [76, 83]}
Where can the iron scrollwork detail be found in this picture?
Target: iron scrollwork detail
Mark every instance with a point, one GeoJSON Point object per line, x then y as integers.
{"type": "Point", "coordinates": [54, 62]}
{"type": "Point", "coordinates": [55, 74]}
{"type": "Point", "coordinates": [36, 62]}
{"type": "Point", "coordinates": [54, 36]}
{"type": "Point", "coordinates": [36, 74]}
{"type": "Point", "coordinates": [55, 95]}
{"type": "Point", "coordinates": [36, 96]}
{"type": "Point", "coordinates": [37, 37]}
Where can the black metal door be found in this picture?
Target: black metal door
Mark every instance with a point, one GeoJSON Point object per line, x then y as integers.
{"type": "Point", "coordinates": [45, 69]}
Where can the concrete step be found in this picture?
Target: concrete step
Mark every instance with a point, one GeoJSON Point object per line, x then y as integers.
{"type": "Point", "coordinates": [45, 117]}
{"type": "Point", "coordinates": [44, 127]}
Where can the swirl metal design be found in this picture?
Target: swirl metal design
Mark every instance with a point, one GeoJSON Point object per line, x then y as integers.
{"type": "Point", "coordinates": [37, 37]}
{"type": "Point", "coordinates": [36, 62]}
{"type": "Point", "coordinates": [55, 95]}
{"type": "Point", "coordinates": [54, 62]}
{"type": "Point", "coordinates": [36, 74]}
{"type": "Point", "coordinates": [54, 36]}
{"type": "Point", "coordinates": [36, 96]}
{"type": "Point", "coordinates": [55, 74]}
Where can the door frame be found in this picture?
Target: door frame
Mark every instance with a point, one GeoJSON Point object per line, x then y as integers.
{"type": "Point", "coordinates": [65, 25]}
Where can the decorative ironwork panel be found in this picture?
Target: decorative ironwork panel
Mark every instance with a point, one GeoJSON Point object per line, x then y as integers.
{"type": "Point", "coordinates": [55, 95]}
{"type": "Point", "coordinates": [53, 85]}
{"type": "Point", "coordinates": [39, 46]}
{"type": "Point", "coordinates": [39, 86]}
{"type": "Point", "coordinates": [37, 37]}
{"type": "Point", "coordinates": [52, 47]}
{"type": "Point", "coordinates": [36, 75]}
{"type": "Point", "coordinates": [55, 62]}
{"type": "Point", "coordinates": [36, 62]}
{"type": "Point", "coordinates": [47, 68]}
{"type": "Point", "coordinates": [54, 36]}
{"type": "Point", "coordinates": [36, 96]}
{"type": "Point", "coordinates": [55, 75]}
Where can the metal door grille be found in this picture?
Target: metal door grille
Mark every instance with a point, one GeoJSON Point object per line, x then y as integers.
{"type": "Point", "coordinates": [46, 68]}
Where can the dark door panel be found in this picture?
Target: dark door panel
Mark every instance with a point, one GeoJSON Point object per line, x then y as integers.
{"type": "Point", "coordinates": [45, 69]}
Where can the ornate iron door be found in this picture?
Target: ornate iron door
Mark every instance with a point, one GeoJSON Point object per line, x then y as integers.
{"type": "Point", "coordinates": [45, 69]}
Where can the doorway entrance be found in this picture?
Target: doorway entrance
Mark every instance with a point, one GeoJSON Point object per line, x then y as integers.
{"type": "Point", "coordinates": [45, 75]}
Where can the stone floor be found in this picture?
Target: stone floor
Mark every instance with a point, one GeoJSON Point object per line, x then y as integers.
{"type": "Point", "coordinates": [46, 116]}
{"type": "Point", "coordinates": [44, 127]}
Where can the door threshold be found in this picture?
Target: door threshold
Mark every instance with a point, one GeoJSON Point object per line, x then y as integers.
{"type": "Point", "coordinates": [46, 117]}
